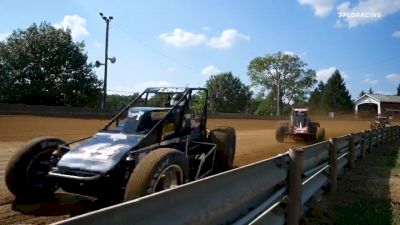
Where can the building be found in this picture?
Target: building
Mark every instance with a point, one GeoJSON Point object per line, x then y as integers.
{"type": "Point", "coordinates": [372, 104]}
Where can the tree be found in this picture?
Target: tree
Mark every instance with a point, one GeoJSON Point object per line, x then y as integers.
{"type": "Point", "coordinates": [286, 71]}
{"type": "Point", "coordinates": [227, 93]}
{"type": "Point", "coordinates": [118, 102]}
{"type": "Point", "coordinates": [42, 65]}
{"type": "Point", "coordinates": [361, 93]}
{"type": "Point", "coordinates": [315, 100]}
{"type": "Point", "coordinates": [335, 96]}
{"type": "Point", "coordinates": [371, 91]}
{"type": "Point", "coordinates": [398, 90]}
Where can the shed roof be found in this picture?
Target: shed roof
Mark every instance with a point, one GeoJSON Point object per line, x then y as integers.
{"type": "Point", "coordinates": [386, 98]}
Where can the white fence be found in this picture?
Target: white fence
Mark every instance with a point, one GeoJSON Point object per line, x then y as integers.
{"type": "Point", "coordinates": [273, 191]}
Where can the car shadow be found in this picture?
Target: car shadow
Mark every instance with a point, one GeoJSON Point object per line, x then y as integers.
{"type": "Point", "coordinates": [57, 205]}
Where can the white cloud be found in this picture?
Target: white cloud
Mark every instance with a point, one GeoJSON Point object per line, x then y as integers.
{"type": "Point", "coordinates": [343, 7]}
{"type": "Point", "coordinates": [370, 81]}
{"type": "Point", "coordinates": [171, 70]}
{"type": "Point", "coordinates": [76, 24]}
{"type": "Point", "coordinates": [206, 28]}
{"type": "Point", "coordinates": [293, 53]}
{"type": "Point", "coordinates": [227, 39]}
{"type": "Point", "coordinates": [368, 11]}
{"type": "Point", "coordinates": [321, 7]}
{"type": "Point", "coordinates": [181, 38]}
{"type": "Point", "coordinates": [383, 92]}
{"type": "Point", "coordinates": [325, 74]}
{"type": "Point", "coordinates": [394, 77]}
{"type": "Point", "coordinates": [210, 70]}
{"type": "Point", "coordinates": [97, 44]}
{"type": "Point", "coordinates": [289, 53]}
{"type": "Point", "coordinates": [4, 36]}
{"type": "Point", "coordinates": [339, 24]}
{"type": "Point", "coordinates": [396, 34]}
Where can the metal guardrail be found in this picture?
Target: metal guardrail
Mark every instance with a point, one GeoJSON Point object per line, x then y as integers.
{"type": "Point", "coordinates": [272, 191]}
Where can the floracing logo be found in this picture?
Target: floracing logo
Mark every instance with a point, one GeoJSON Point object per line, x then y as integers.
{"type": "Point", "coordinates": [359, 14]}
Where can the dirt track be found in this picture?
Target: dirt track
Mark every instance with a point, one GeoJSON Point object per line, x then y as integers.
{"type": "Point", "coordinates": [255, 141]}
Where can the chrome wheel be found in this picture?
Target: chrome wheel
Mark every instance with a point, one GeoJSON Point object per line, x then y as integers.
{"type": "Point", "coordinates": [170, 177]}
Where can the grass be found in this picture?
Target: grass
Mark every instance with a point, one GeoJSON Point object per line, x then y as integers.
{"type": "Point", "coordinates": [365, 211]}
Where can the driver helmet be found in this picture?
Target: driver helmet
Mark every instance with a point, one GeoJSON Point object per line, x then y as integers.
{"type": "Point", "coordinates": [175, 99]}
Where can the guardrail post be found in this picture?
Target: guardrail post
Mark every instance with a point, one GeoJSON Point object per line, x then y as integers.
{"type": "Point", "coordinates": [396, 139]}
{"type": "Point", "coordinates": [394, 130]}
{"type": "Point", "coordinates": [376, 134]}
{"type": "Point", "coordinates": [391, 134]}
{"type": "Point", "coordinates": [352, 152]}
{"type": "Point", "coordinates": [333, 165]}
{"type": "Point", "coordinates": [383, 137]}
{"type": "Point", "coordinates": [387, 136]}
{"type": "Point", "coordinates": [295, 187]}
{"type": "Point", "coordinates": [363, 144]}
{"type": "Point", "coordinates": [371, 133]}
{"type": "Point", "coordinates": [398, 134]}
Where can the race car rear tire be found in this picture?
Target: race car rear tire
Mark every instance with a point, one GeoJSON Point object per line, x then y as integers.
{"type": "Point", "coordinates": [225, 140]}
{"type": "Point", "coordinates": [163, 166]}
{"type": "Point", "coordinates": [26, 172]}
{"type": "Point", "coordinates": [320, 136]}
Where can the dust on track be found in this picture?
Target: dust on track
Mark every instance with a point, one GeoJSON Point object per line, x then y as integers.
{"type": "Point", "coordinates": [255, 141]}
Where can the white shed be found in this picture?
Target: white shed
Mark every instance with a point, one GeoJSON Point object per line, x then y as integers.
{"type": "Point", "coordinates": [373, 104]}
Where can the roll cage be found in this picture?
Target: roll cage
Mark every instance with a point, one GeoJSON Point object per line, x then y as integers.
{"type": "Point", "coordinates": [155, 98]}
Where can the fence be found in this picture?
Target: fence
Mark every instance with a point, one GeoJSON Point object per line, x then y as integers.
{"type": "Point", "coordinates": [44, 110]}
{"type": "Point", "coordinates": [273, 191]}
{"type": "Point", "coordinates": [66, 111]}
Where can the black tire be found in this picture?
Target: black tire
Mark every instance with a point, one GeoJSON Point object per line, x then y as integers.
{"type": "Point", "coordinates": [225, 139]}
{"type": "Point", "coordinates": [320, 136]}
{"type": "Point", "coordinates": [26, 172]}
{"type": "Point", "coordinates": [145, 178]}
{"type": "Point", "coordinates": [279, 133]}
{"type": "Point", "coordinates": [315, 124]}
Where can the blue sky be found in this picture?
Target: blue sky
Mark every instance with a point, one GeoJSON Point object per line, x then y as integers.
{"type": "Point", "coordinates": [179, 43]}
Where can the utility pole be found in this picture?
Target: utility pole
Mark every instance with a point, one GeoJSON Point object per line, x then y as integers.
{"type": "Point", "coordinates": [107, 20]}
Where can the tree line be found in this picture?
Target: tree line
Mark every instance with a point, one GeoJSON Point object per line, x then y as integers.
{"type": "Point", "coordinates": [43, 65]}
{"type": "Point", "coordinates": [325, 97]}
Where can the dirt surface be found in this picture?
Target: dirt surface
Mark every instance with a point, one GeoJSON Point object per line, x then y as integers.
{"type": "Point", "coordinates": [255, 141]}
{"type": "Point", "coordinates": [256, 138]}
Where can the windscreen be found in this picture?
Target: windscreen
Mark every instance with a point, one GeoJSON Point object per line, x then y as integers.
{"type": "Point", "coordinates": [139, 121]}
{"type": "Point", "coordinates": [299, 117]}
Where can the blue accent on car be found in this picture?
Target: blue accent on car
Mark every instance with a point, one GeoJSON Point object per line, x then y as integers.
{"type": "Point", "coordinates": [101, 153]}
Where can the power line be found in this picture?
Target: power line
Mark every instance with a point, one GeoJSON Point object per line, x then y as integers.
{"type": "Point", "coordinates": [155, 50]}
